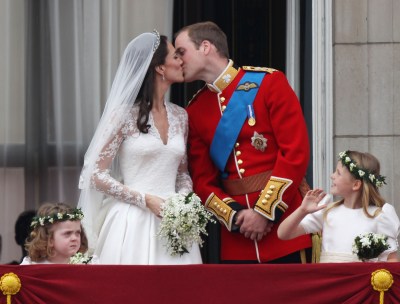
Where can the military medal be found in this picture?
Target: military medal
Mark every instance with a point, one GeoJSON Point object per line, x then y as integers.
{"type": "Point", "coordinates": [259, 142]}
{"type": "Point", "coordinates": [251, 117]}
{"type": "Point", "coordinates": [251, 121]}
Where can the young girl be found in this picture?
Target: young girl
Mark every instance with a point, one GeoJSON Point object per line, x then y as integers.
{"type": "Point", "coordinates": [361, 210]}
{"type": "Point", "coordinates": [57, 235]}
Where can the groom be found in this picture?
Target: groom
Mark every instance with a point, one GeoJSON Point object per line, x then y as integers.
{"type": "Point", "coordinates": [248, 148]}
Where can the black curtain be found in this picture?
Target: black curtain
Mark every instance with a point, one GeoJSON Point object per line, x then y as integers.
{"type": "Point", "coordinates": [306, 74]}
{"type": "Point", "coordinates": [256, 31]}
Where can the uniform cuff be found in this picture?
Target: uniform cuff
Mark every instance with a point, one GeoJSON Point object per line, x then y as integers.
{"type": "Point", "coordinates": [223, 210]}
{"type": "Point", "coordinates": [270, 203]}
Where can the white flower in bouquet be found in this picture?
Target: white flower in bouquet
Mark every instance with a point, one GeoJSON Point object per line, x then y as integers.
{"type": "Point", "coordinates": [184, 219]}
{"type": "Point", "coordinates": [369, 245]}
{"type": "Point", "coordinates": [80, 258]}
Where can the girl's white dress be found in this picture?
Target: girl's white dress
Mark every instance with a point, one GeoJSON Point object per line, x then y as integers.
{"type": "Point", "coordinates": [27, 261]}
{"type": "Point", "coordinates": [147, 165]}
{"type": "Point", "coordinates": [344, 224]}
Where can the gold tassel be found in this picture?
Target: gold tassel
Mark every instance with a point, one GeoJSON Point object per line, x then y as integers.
{"type": "Point", "coordinates": [316, 247]}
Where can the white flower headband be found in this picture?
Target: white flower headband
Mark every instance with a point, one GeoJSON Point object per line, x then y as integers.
{"type": "Point", "coordinates": [360, 173]}
{"type": "Point", "coordinates": [75, 215]}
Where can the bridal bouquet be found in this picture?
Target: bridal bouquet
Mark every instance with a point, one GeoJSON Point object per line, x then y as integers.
{"type": "Point", "coordinates": [184, 219]}
{"type": "Point", "coordinates": [369, 245]}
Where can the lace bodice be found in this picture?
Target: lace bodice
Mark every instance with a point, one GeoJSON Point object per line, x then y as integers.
{"type": "Point", "coordinates": [144, 162]}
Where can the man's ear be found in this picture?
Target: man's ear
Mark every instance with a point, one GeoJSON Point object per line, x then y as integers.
{"type": "Point", "coordinates": [206, 46]}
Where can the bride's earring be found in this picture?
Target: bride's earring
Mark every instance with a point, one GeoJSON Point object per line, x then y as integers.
{"type": "Point", "coordinates": [163, 78]}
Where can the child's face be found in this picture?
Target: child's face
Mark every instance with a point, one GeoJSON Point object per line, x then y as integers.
{"type": "Point", "coordinates": [66, 240]}
{"type": "Point", "coordinates": [342, 181]}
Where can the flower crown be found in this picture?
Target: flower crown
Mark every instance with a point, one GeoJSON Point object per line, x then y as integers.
{"type": "Point", "coordinates": [75, 215]}
{"type": "Point", "coordinates": [361, 173]}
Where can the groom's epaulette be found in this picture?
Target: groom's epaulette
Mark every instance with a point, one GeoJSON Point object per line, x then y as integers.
{"type": "Point", "coordinates": [195, 95]}
{"type": "Point", "coordinates": [258, 69]}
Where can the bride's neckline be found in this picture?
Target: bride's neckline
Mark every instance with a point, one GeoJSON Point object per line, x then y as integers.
{"type": "Point", "coordinates": [161, 128]}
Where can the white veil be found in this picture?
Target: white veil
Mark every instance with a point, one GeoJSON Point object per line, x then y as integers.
{"type": "Point", "coordinates": [127, 82]}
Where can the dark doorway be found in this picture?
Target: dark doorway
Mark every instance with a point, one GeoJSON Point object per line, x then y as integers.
{"type": "Point", "coordinates": [256, 31]}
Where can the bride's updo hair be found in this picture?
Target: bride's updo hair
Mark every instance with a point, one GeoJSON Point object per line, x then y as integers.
{"type": "Point", "coordinates": [146, 92]}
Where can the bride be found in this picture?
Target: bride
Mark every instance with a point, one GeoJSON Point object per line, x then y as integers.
{"type": "Point", "coordinates": [137, 159]}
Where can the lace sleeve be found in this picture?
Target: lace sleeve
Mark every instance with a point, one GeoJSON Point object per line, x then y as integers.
{"type": "Point", "coordinates": [102, 180]}
{"type": "Point", "coordinates": [184, 183]}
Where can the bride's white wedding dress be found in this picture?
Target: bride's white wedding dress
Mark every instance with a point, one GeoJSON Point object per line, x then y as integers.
{"type": "Point", "coordinates": [147, 165]}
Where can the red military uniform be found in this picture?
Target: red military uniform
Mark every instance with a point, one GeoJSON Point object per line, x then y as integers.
{"type": "Point", "coordinates": [276, 145]}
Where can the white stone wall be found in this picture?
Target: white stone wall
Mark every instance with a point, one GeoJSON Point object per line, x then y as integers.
{"type": "Point", "coordinates": [366, 88]}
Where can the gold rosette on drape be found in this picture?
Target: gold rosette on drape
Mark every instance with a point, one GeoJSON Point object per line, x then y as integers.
{"type": "Point", "coordinates": [10, 285]}
{"type": "Point", "coordinates": [381, 280]}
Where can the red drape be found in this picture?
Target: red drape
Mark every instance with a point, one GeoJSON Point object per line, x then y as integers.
{"type": "Point", "coordinates": [311, 283]}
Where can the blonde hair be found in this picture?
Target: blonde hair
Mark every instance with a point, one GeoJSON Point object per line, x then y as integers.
{"type": "Point", "coordinates": [370, 195]}
{"type": "Point", "coordinates": [38, 242]}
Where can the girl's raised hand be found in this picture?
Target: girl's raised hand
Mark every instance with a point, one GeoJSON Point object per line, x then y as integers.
{"type": "Point", "coordinates": [312, 199]}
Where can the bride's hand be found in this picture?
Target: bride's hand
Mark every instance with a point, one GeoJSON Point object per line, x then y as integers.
{"type": "Point", "coordinates": [154, 203]}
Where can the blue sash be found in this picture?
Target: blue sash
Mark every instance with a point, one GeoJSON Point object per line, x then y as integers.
{"type": "Point", "coordinates": [233, 118]}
